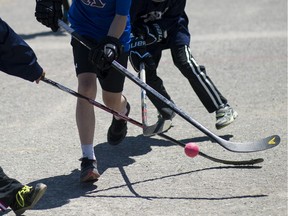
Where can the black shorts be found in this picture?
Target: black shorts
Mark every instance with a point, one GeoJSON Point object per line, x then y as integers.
{"type": "Point", "coordinates": [113, 82]}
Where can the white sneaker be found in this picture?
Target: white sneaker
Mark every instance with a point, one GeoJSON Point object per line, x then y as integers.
{"type": "Point", "coordinates": [225, 116]}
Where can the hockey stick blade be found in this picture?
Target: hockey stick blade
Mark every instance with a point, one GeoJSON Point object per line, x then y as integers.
{"type": "Point", "coordinates": [159, 127]}
{"type": "Point", "coordinates": [217, 160]}
{"type": "Point", "coordinates": [260, 145]}
{"type": "Point", "coordinates": [255, 146]}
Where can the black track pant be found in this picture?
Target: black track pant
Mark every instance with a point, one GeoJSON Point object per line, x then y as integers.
{"type": "Point", "coordinates": [8, 188]}
{"type": "Point", "coordinates": [206, 91]}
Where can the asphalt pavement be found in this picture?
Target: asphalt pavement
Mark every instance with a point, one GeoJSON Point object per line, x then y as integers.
{"type": "Point", "coordinates": [243, 45]}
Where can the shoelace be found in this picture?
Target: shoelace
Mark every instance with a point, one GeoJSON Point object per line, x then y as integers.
{"type": "Point", "coordinates": [20, 195]}
{"type": "Point", "coordinates": [223, 112]}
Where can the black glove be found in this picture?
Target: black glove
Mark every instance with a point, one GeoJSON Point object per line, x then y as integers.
{"type": "Point", "coordinates": [48, 12]}
{"type": "Point", "coordinates": [105, 53]}
{"type": "Point", "coordinates": [152, 32]}
{"type": "Point", "coordinates": [138, 54]}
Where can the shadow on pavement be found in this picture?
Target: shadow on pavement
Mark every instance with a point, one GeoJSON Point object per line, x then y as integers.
{"type": "Point", "coordinates": [42, 34]}
{"type": "Point", "coordinates": [63, 188]}
{"type": "Point", "coordinates": [109, 156]}
{"type": "Point", "coordinates": [129, 185]}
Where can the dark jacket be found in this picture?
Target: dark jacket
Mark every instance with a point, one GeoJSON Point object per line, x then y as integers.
{"type": "Point", "coordinates": [16, 57]}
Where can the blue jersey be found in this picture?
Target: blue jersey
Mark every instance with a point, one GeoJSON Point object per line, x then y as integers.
{"type": "Point", "coordinates": [93, 18]}
{"type": "Point", "coordinates": [16, 57]}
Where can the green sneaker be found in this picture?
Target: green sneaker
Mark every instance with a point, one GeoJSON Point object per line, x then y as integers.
{"type": "Point", "coordinates": [225, 116]}
{"type": "Point", "coordinates": [27, 197]}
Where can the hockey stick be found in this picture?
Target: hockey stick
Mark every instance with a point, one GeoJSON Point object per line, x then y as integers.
{"type": "Point", "coordinates": [161, 125]}
{"type": "Point", "coordinates": [142, 75]}
{"type": "Point", "coordinates": [254, 146]}
{"type": "Point", "coordinates": [99, 105]}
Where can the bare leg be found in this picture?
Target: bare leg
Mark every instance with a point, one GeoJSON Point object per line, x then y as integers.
{"type": "Point", "coordinates": [85, 116]}
{"type": "Point", "coordinates": [115, 101]}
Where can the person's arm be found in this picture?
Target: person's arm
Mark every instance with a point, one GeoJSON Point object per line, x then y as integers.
{"type": "Point", "coordinates": [48, 12]}
{"type": "Point", "coordinates": [117, 26]}
{"type": "Point", "coordinates": [110, 48]}
{"type": "Point", "coordinates": [16, 57]}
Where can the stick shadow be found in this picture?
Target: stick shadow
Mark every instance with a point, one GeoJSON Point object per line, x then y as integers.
{"type": "Point", "coordinates": [134, 194]}
{"type": "Point", "coordinates": [59, 33]}
{"type": "Point", "coordinates": [109, 156]}
{"type": "Point", "coordinates": [63, 188]}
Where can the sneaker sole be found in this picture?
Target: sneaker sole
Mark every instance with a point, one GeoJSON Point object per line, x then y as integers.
{"type": "Point", "coordinates": [90, 177]}
{"type": "Point", "coordinates": [235, 115]}
{"type": "Point", "coordinates": [41, 188]}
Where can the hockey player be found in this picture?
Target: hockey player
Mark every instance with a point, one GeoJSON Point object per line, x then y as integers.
{"type": "Point", "coordinates": [18, 59]}
{"type": "Point", "coordinates": [161, 25]}
{"type": "Point", "coordinates": [107, 25]}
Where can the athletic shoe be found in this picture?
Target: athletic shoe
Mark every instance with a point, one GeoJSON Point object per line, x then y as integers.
{"type": "Point", "coordinates": [225, 116]}
{"type": "Point", "coordinates": [118, 129]}
{"type": "Point", "coordinates": [89, 171]}
{"type": "Point", "coordinates": [27, 197]}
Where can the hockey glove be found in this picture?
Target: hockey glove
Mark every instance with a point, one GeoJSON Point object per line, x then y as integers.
{"type": "Point", "coordinates": [105, 53]}
{"type": "Point", "coordinates": [138, 54]}
{"type": "Point", "coordinates": [48, 12]}
{"type": "Point", "coordinates": [152, 33]}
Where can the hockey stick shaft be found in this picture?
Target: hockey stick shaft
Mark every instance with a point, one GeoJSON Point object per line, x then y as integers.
{"type": "Point", "coordinates": [260, 145]}
{"type": "Point", "coordinates": [142, 75]}
{"type": "Point", "coordinates": [161, 125]}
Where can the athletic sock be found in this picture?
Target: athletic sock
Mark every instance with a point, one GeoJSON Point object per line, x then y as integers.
{"type": "Point", "coordinates": [88, 151]}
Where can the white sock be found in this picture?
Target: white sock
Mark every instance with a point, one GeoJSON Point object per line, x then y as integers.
{"type": "Point", "coordinates": [88, 151]}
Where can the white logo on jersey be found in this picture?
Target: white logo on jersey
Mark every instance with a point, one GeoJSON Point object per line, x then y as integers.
{"type": "Point", "coordinates": [94, 3]}
{"type": "Point", "coordinates": [154, 15]}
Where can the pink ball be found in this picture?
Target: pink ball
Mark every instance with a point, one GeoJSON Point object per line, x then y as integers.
{"type": "Point", "coordinates": [191, 149]}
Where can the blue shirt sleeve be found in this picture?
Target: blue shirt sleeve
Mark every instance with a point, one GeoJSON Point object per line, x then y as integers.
{"type": "Point", "coordinates": [123, 7]}
{"type": "Point", "coordinates": [16, 57]}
